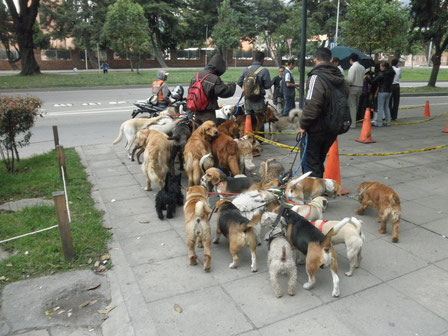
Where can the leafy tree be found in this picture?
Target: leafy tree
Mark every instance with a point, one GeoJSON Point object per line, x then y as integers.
{"type": "Point", "coordinates": [17, 115]}
{"type": "Point", "coordinates": [23, 18]}
{"type": "Point", "coordinates": [430, 22]}
{"type": "Point", "coordinates": [322, 18]}
{"type": "Point", "coordinates": [126, 30]}
{"type": "Point", "coordinates": [376, 25]}
{"type": "Point", "coordinates": [226, 34]}
{"type": "Point", "coordinates": [81, 20]}
{"type": "Point", "coordinates": [6, 36]}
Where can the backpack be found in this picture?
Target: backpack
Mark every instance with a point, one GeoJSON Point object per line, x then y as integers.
{"type": "Point", "coordinates": [197, 100]}
{"type": "Point", "coordinates": [251, 86]}
{"type": "Point", "coordinates": [338, 120]}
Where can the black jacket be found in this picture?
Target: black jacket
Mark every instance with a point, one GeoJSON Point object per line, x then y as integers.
{"type": "Point", "coordinates": [384, 80]}
{"type": "Point", "coordinates": [264, 78]}
{"type": "Point", "coordinates": [318, 96]}
{"type": "Point", "coordinates": [213, 85]}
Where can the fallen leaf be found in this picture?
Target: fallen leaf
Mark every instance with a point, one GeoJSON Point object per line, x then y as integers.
{"type": "Point", "coordinates": [95, 286]}
{"type": "Point", "coordinates": [85, 304]}
{"type": "Point", "coordinates": [108, 227]}
{"type": "Point", "coordinates": [101, 268]}
{"type": "Point", "coordinates": [178, 308]}
{"type": "Point", "coordinates": [8, 265]}
{"type": "Point", "coordinates": [69, 314]}
{"type": "Point", "coordinates": [2, 278]}
{"type": "Point", "coordinates": [48, 313]}
{"type": "Point", "coordinates": [89, 261]}
{"type": "Point", "coordinates": [105, 257]}
{"type": "Point", "coordinates": [144, 222]}
{"type": "Point", "coordinates": [61, 312]}
{"type": "Point", "coordinates": [106, 310]}
{"type": "Point", "coordinates": [56, 308]}
{"type": "Point", "coordinates": [97, 263]}
{"type": "Point", "coordinates": [93, 302]}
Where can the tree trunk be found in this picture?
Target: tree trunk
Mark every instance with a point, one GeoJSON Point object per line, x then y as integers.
{"type": "Point", "coordinates": [271, 51]}
{"type": "Point", "coordinates": [28, 61]}
{"type": "Point", "coordinates": [92, 58]}
{"type": "Point", "coordinates": [158, 50]}
{"type": "Point", "coordinates": [130, 63]}
{"type": "Point", "coordinates": [435, 68]}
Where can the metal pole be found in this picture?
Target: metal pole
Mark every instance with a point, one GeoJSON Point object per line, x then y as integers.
{"type": "Point", "coordinates": [85, 56]}
{"type": "Point", "coordinates": [99, 60]}
{"type": "Point", "coordinates": [206, 38]}
{"type": "Point", "coordinates": [429, 53]}
{"type": "Point", "coordinates": [302, 57]}
{"type": "Point", "coordinates": [337, 26]}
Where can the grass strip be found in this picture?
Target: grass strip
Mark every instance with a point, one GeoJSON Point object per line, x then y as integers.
{"type": "Point", "coordinates": [41, 254]}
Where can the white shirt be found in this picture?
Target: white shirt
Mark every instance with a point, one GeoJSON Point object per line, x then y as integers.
{"type": "Point", "coordinates": [397, 77]}
{"type": "Point", "coordinates": [356, 75]}
{"type": "Point", "coordinates": [342, 70]}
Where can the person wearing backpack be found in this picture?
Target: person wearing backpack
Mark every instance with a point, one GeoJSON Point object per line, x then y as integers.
{"type": "Point", "coordinates": [254, 81]}
{"type": "Point", "coordinates": [205, 88]}
{"type": "Point", "coordinates": [326, 112]}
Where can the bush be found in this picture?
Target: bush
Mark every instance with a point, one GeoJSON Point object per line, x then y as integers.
{"type": "Point", "coordinates": [17, 116]}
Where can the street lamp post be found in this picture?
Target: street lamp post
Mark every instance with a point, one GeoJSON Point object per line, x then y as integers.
{"type": "Point", "coordinates": [302, 57]}
{"type": "Point", "coordinates": [337, 26]}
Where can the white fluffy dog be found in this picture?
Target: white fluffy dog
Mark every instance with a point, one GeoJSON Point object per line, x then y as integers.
{"type": "Point", "coordinates": [350, 235]}
{"type": "Point", "coordinates": [280, 256]}
{"type": "Point", "coordinates": [224, 112]}
{"type": "Point", "coordinates": [312, 211]}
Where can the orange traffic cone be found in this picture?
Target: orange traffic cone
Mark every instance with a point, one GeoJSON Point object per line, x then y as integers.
{"type": "Point", "coordinates": [427, 112]}
{"type": "Point", "coordinates": [248, 125]}
{"type": "Point", "coordinates": [366, 131]}
{"type": "Point", "coordinates": [446, 129]}
{"type": "Point", "coordinates": [332, 169]}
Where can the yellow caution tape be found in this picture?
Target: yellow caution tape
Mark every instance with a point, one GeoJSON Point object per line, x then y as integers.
{"type": "Point", "coordinates": [285, 133]}
{"type": "Point", "coordinates": [410, 122]}
{"type": "Point", "coordinates": [410, 107]}
{"type": "Point", "coordinates": [296, 149]}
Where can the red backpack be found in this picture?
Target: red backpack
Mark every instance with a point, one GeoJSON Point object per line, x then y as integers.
{"type": "Point", "coordinates": [197, 99]}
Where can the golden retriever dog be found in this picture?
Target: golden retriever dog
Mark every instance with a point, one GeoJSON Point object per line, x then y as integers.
{"type": "Point", "coordinates": [385, 200]}
{"type": "Point", "coordinates": [229, 128]}
{"type": "Point", "coordinates": [156, 158]}
{"type": "Point", "coordinates": [197, 226]}
{"type": "Point", "coordinates": [226, 153]}
{"type": "Point", "coordinates": [140, 143]}
{"type": "Point", "coordinates": [197, 146]}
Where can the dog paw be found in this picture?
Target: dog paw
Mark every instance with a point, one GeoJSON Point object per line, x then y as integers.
{"type": "Point", "coordinates": [382, 231]}
{"type": "Point", "coordinates": [349, 274]}
{"type": "Point", "coordinates": [206, 268]}
{"type": "Point", "coordinates": [253, 269]}
{"type": "Point", "coordinates": [301, 262]}
{"type": "Point", "coordinates": [160, 217]}
{"type": "Point", "coordinates": [292, 292]}
{"type": "Point", "coordinates": [148, 189]}
{"type": "Point", "coordinates": [359, 212]}
{"type": "Point", "coordinates": [335, 293]}
{"type": "Point", "coordinates": [193, 261]}
{"type": "Point", "coordinates": [395, 240]}
{"type": "Point", "coordinates": [216, 241]}
{"type": "Point", "coordinates": [278, 295]}
{"type": "Point", "coordinates": [233, 265]}
{"type": "Point", "coordinates": [308, 285]}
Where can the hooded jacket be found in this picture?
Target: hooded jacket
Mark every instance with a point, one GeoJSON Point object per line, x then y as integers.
{"type": "Point", "coordinates": [384, 80]}
{"type": "Point", "coordinates": [318, 96]}
{"type": "Point", "coordinates": [213, 85]}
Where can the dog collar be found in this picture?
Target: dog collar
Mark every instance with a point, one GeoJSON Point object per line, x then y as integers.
{"type": "Point", "coordinates": [219, 169]}
{"type": "Point", "coordinates": [309, 211]}
{"type": "Point", "coordinates": [321, 224]}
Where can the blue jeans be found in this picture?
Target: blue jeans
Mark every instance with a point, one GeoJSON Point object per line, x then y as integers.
{"type": "Point", "coordinates": [383, 108]}
{"type": "Point", "coordinates": [289, 105]}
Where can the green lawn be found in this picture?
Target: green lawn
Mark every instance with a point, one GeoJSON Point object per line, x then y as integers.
{"type": "Point", "coordinates": [424, 89]}
{"type": "Point", "coordinates": [146, 77]}
{"type": "Point", "coordinates": [39, 177]}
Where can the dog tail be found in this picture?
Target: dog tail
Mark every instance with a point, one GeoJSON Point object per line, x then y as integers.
{"type": "Point", "coordinates": [297, 180]}
{"type": "Point", "coordinates": [283, 254]}
{"type": "Point", "coordinates": [201, 209]}
{"type": "Point", "coordinates": [333, 231]}
{"type": "Point", "coordinates": [357, 223]}
{"type": "Point", "coordinates": [206, 162]}
{"type": "Point", "coordinates": [120, 135]}
{"type": "Point", "coordinates": [254, 221]}
{"type": "Point", "coordinates": [339, 225]}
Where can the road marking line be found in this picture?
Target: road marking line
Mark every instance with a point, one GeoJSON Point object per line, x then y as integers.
{"type": "Point", "coordinates": [81, 113]}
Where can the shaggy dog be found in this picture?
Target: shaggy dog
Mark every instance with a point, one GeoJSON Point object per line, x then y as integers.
{"type": "Point", "coordinates": [291, 122]}
{"type": "Point", "coordinates": [271, 172]}
{"type": "Point", "coordinates": [385, 200]}
{"type": "Point", "coordinates": [229, 128]}
{"type": "Point", "coordinates": [313, 211]}
{"type": "Point", "coordinates": [227, 153]}
{"type": "Point", "coordinates": [350, 235]}
{"type": "Point", "coordinates": [170, 196]}
{"type": "Point", "coordinates": [223, 114]}
{"type": "Point", "coordinates": [246, 158]}
{"type": "Point", "coordinates": [238, 230]}
{"type": "Point", "coordinates": [181, 133]}
{"type": "Point", "coordinates": [197, 146]}
{"type": "Point", "coordinates": [197, 226]}
{"type": "Point", "coordinates": [280, 255]}
{"type": "Point", "coordinates": [157, 155]}
{"type": "Point", "coordinates": [315, 245]}
{"type": "Point", "coordinates": [215, 179]}
{"type": "Point", "coordinates": [305, 190]}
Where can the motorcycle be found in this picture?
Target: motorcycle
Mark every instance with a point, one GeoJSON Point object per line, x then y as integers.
{"type": "Point", "coordinates": [176, 100]}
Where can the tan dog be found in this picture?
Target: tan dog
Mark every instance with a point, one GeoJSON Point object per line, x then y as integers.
{"type": "Point", "coordinates": [305, 190]}
{"type": "Point", "coordinates": [385, 200]}
{"type": "Point", "coordinates": [313, 211]}
{"type": "Point", "coordinates": [229, 128]}
{"type": "Point", "coordinates": [350, 235]}
{"type": "Point", "coordinates": [246, 157]}
{"type": "Point", "coordinates": [197, 146]}
{"type": "Point", "coordinates": [215, 179]}
{"type": "Point", "coordinates": [227, 153]}
{"type": "Point", "coordinates": [238, 230]}
{"type": "Point", "coordinates": [197, 226]}
{"type": "Point", "coordinates": [156, 158]}
{"type": "Point", "coordinates": [140, 143]}
{"type": "Point", "coordinates": [270, 171]}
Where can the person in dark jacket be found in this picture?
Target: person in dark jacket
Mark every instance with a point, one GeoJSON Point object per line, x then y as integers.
{"type": "Point", "coordinates": [257, 104]}
{"type": "Point", "coordinates": [213, 87]}
{"type": "Point", "coordinates": [316, 105]}
{"type": "Point", "coordinates": [289, 87]}
{"type": "Point", "coordinates": [278, 92]}
{"type": "Point", "coordinates": [384, 81]}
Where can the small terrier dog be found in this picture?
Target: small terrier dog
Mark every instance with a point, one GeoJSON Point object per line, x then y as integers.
{"type": "Point", "coordinates": [197, 225]}
{"type": "Point", "coordinates": [280, 255]}
{"type": "Point", "coordinates": [314, 210]}
{"type": "Point", "coordinates": [170, 196]}
{"type": "Point", "coordinates": [385, 200]}
{"type": "Point", "coordinates": [303, 191]}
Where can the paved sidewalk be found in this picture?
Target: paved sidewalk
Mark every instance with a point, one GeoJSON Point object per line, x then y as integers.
{"type": "Point", "coordinates": [400, 289]}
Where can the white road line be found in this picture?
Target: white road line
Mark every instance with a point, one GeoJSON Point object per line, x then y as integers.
{"type": "Point", "coordinates": [82, 113]}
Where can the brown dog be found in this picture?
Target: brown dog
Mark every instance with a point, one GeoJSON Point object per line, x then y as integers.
{"type": "Point", "coordinates": [156, 158]}
{"type": "Point", "coordinates": [229, 128]}
{"type": "Point", "coordinates": [303, 191]}
{"type": "Point", "coordinates": [197, 226]}
{"type": "Point", "coordinates": [260, 119]}
{"type": "Point", "coordinates": [215, 179]}
{"type": "Point", "coordinates": [238, 230]}
{"type": "Point", "coordinates": [385, 200]}
{"type": "Point", "coordinates": [197, 146]}
{"type": "Point", "coordinates": [140, 143]}
{"type": "Point", "coordinates": [227, 153]}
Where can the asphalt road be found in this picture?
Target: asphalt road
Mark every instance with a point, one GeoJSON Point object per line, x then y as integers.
{"type": "Point", "coordinates": [93, 116]}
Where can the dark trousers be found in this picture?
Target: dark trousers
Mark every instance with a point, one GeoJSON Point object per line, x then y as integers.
{"type": "Point", "coordinates": [204, 116]}
{"type": "Point", "coordinates": [289, 105]}
{"type": "Point", "coordinates": [316, 152]}
{"type": "Point", "coordinates": [394, 101]}
{"type": "Point", "coordinates": [363, 101]}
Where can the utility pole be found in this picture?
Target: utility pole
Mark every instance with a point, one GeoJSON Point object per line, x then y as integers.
{"type": "Point", "coordinates": [99, 61]}
{"type": "Point", "coordinates": [337, 26]}
{"type": "Point", "coordinates": [302, 57]}
{"type": "Point", "coordinates": [206, 38]}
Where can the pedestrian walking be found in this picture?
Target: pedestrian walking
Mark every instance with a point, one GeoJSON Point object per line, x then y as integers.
{"type": "Point", "coordinates": [278, 91]}
{"type": "Point", "coordinates": [317, 104]}
{"type": "Point", "coordinates": [395, 93]}
{"type": "Point", "coordinates": [289, 87]}
{"type": "Point", "coordinates": [355, 79]}
{"type": "Point", "coordinates": [384, 80]}
{"type": "Point", "coordinates": [105, 67]}
{"type": "Point", "coordinates": [213, 87]}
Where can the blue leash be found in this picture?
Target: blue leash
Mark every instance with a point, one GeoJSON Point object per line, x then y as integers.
{"type": "Point", "coordinates": [303, 144]}
{"type": "Point", "coordinates": [238, 105]}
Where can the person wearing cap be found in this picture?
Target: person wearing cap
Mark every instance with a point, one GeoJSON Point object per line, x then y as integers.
{"type": "Point", "coordinates": [160, 88]}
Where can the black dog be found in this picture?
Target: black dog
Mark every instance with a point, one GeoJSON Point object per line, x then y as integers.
{"type": "Point", "coordinates": [181, 133]}
{"type": "Point", "coordinates": [170, 196]}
